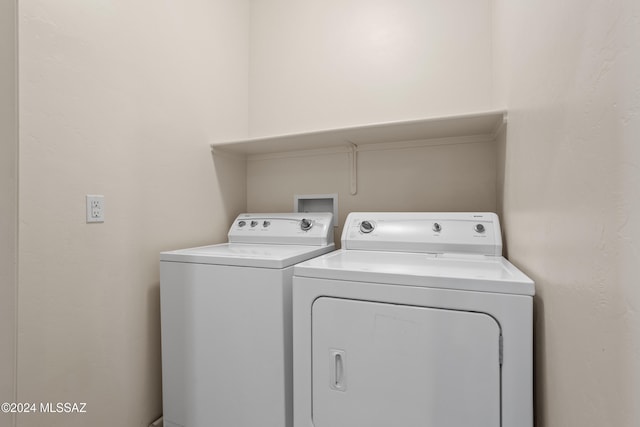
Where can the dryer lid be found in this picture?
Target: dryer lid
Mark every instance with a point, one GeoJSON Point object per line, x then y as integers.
{"type": "Point", "coordinates": [469, 272]}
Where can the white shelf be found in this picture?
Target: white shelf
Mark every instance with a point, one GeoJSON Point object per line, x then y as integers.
{"type": "Point", "coordinates": [482, 124]}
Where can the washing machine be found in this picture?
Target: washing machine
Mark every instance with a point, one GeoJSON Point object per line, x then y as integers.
{"type": "Point", "coordinates": [417, 320]}
{"type": "Point", "coordinates": [226, 322]}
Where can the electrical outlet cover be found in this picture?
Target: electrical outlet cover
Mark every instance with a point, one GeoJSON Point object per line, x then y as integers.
{"type": "Point", "coordinates": [95, 208]}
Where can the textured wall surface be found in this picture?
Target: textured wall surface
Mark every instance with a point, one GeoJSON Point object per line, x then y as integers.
{"type": "Point", "coordinates": [8, 200]}
{"type": "Point", "coordinates": [569, 73]}
{"type": "Point", "coordinates": [119, 99]}
{"type": "Point", "coordinates": [122, 100]}
{"type": "Point", "coordinates": [333, 63]}
{"type": "Point", "coordinates": [458, 177]}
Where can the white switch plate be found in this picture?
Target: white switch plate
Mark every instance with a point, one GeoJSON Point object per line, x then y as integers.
{"type": "Point", "coordinates": [95, 208]}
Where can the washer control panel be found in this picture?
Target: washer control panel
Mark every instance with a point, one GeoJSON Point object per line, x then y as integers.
{"type": "Point", "coordinates": [430, 232]}
{"type": "Point", "coordinates": [283, 228]}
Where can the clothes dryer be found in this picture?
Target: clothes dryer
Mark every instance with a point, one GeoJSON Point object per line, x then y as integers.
{"type": "Point", "coordinates": [226, 322]}
{"type": "Point", "coordinates": [417, 321]}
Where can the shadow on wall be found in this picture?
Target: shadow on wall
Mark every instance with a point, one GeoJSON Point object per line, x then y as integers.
{"type": "Point", "coordinates": [539, 332]}
{"type": "Point", "coordinates": [539, 359]}
{"type": "Point", "coordinates": [501, 164]}
{"type": "Point", "coordinates": [154, 370]}
{"type": "Point", "coordinates": [230, 175]}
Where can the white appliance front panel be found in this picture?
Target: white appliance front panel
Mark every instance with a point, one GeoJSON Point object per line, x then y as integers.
{"type": "Point", "coordinates": [380, 365]}
{"type": "Point", "coordinates": [226, 345]}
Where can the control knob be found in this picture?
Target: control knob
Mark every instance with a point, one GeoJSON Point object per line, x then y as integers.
{"type": "Point", "coordinates": [366, 227]}
{"type": "Point", "coordinates": [305, 224]}
{"type": "Point", "coordinates": [254, 223]}
{"type": "Point", "coordinates": [437, 227]}
{"type": "Point", "coordinates": [242, 223]}
{"type": "Point", "coordinates": [479, 228]}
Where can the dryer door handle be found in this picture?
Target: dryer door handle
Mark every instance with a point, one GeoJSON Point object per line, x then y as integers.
{"type": "Point", "coordinates": [338, 377]}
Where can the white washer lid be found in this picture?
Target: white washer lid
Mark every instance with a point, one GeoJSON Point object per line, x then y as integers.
{"type": "Point", "coordinates": [247, 255]}
{"type": "Point", "coordinates": [479, 273]}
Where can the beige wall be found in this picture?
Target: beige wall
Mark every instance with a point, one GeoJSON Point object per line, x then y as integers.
{"type": "Point", "coordinates": [454, 177]}
{"type": "Point", "coordinates": [332, 63]}
{"type": "Point", "coordinates": [8, 202]}
{"type": "Point", "coordinates": [122, 99]}
{"type": "Point", "coordinates": [569, 72]}
{"type": "Point", "coordinates": [119, 99]}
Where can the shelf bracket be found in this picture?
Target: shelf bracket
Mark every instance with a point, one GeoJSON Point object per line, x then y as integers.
{"type": "Point", "coordinates": [353, 167]}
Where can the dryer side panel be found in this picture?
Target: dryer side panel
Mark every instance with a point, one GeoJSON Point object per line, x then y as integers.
{"type": "Point", "coordinates": [378, 365]}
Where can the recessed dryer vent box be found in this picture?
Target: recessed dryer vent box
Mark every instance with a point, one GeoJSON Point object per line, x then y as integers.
{"type": "Point", "coordinates": [317, 203]}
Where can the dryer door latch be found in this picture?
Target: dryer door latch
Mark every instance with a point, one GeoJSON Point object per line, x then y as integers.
{"type": "Point", "coordinates": [337, 360]}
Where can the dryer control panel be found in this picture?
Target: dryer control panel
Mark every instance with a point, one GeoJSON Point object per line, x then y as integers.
{"type": "Point", "coordinates": [429, 232]}
{"type": "Point", "coordinates": [309, 229]}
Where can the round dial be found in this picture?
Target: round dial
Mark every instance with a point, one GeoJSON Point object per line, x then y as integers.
{"type": "Point", "coordinates": [306, 224]}
{"type": "Point", "coordinates": [437, 227]}
{"type": "Point", "coordinates": [479, 228]}
{"type": "Point", "coordinates": [242, 223]}
{"type": "Point", "coordinates": [366, 226]}
{"type": "Point", "coordinates": [254, 223]}
{"type": "Point", "coordinates": [265, 224]}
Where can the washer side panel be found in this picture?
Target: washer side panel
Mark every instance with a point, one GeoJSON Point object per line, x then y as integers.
{"type": "Point", "coordinates": [224, 345]}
